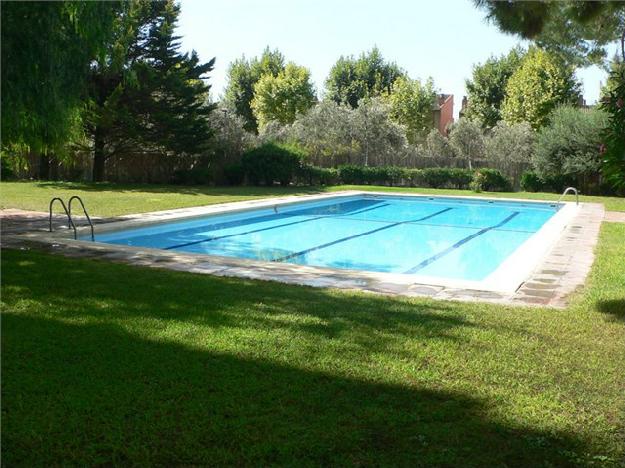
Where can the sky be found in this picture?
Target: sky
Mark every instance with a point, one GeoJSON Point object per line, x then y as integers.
{"type": "Point", "coordinates": [441, 39]}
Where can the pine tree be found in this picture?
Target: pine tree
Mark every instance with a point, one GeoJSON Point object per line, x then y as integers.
{"type": "Point", "coordinates": [151, 97]}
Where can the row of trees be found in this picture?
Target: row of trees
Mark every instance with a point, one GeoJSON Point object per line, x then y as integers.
{"type": "Point", "coordinates": [265, 90]}
{"type": "Point", "coordinates": [108, 79]}
{"type": "Point", "coordinates": [103, 77]}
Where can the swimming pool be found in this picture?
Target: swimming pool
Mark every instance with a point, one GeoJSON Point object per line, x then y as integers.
{"type": "Point", "coordinates": [410, 236]}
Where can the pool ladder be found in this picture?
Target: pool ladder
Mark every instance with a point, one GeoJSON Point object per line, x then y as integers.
{"type": "Point", "coordinates": [567, 190]}
{"type": "Point", "coordinates": [68, 211]}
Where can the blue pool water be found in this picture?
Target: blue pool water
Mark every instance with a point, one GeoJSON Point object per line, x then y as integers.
{"type": "Point", "coordinates": [440, 237]}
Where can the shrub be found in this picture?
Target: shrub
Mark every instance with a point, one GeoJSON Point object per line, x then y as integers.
{"type": "Point", "coordinates": [234, 174]}
{"type": "Point", "coordinates": [312, 175]}
{"type": "Point", "coordinates": [530, 182]}
{"type": "Point", "coordinates": [490, 180]}
{"type": "Point", "coordinates": [441, 177]}
{"type": "Point", "coordinates": [195, 176]}
{"type": "Point", "coordinates": [271, 163]}
{"type": "Point", "coordinates": [509, 143]}
{"type": "Point", "coordinates": [570, 145]}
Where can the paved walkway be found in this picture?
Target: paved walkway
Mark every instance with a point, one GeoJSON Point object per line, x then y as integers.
{"type": "Point", "coordinates": [614, 216]}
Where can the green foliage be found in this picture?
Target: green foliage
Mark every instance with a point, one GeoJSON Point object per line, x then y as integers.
{"type": "Point", "coordinates": [282, 97]}
{"type": "Point", "coordinates": [411, 106]}
{"type": "Point", "coordinates": [234, 173]}
{"type": "Point", "coordinates": [614, 136]}
{"type": "Point", "coordinates": [325, 130]}
{"type": "Point", "coordinates": [352, 79]}
{"type": "Point", "coordinates": [441, 177]}
{"type": "Point", "coordinates": [436, 145]}
{"type": "Point", "coordinates": [531, 182]}
{"type": "Point", "coordinates": [486, 89]}
{"type": "Point", "coordinates": [243, 75]}
{"type": "Point", "coordinates": [145, 94]}
{"type": "Point", "coordinates": [47, 48]}
{"type": "Point", "coordinates": [312, 175]}
{"type": "Point", "coordinates": [271, 163]}
{"type": "Point", "coordinates": [510, 143]}
{"type": "Point", "coordinates": [570, 145]}
{"type": "Point", "coordinates": [467, 139]}
{"type": "Point", "coordinates": [542, 82]}
{"type": "Point", "coordinates": [378, 138]}
{"type": "Point", "coordinates": [490, 180]}
{"type": "Point", "coordinates": [195, 176]}
{"type": "Point", "coordinates": [578, 31]}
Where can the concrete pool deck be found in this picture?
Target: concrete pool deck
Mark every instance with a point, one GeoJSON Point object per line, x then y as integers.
{"type": "Point", "coordinates": [561, 271]}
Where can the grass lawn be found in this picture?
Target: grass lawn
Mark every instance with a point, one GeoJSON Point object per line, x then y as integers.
{"type": "Point", "coordinates": [115, 199]}
{"type": "Point", "coordinates": [105, 363]}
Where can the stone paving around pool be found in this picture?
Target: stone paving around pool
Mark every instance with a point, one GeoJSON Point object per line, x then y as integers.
{"type": "Point", "coordinates": [562, 271]}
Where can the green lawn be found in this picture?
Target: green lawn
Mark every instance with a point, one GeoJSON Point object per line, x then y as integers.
{"type": "Point", "coordinates": [104, 363]}
{"type": "Point", "coordinates": [115, 199]}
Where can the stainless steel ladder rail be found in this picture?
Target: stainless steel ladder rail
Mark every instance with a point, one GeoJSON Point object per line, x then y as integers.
{"type": "Point", "coordinates": [69, 210]}
{"type": "Point", "coordinates": [567, 190]}
{"type": "Point", "coordinates": [70, 222]}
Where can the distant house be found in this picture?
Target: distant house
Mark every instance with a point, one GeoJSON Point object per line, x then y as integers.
{"type": "Point", "coordinates": [443, 112]}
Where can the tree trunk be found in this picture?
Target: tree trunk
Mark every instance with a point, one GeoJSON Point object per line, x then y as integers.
{"type": "Point", "coordinates": [44, 166]}
{"type": "Point", "coordinates": [98, 155]}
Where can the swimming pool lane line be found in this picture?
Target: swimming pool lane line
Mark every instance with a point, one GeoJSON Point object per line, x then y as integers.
{"type": "Point", "coordinates": [461, 242]}
{"type": "Point", "coordinates": [344, 239]}
{"type": "Point", "coordinates": [210, 239]}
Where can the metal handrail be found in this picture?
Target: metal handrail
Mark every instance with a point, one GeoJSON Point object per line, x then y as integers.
{"type": "Point", "coordinates": [70, 222]}
{"type": "Point", "coordinates": [76, 197]}
{"type": "Point", "coordinates": [566, 190]}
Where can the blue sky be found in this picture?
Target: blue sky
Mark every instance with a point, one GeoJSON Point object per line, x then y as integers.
{"type": "Point", "coordinates": [437, 38]}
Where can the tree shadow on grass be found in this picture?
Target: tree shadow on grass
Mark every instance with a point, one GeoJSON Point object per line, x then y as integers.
{"type": "Point", "coordinates": [615, 308]}
{"type": "Point", "coordinates": [95, 394]}
{"type": "Point", "coordinates": [105, 291]}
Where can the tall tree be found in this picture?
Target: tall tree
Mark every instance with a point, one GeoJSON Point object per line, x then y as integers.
{"type": "Point", "coordinates": [411, 106]}
{"type": "Point", "coordinates": [541, 83]}
{"type": "Point", "coordinates": [467, 140]}
{"type": "Point", "coordinates": [352, 79]}
{"type": "Point", "coordinates": [147, 95]}
{"type": "Point", "coordinates": [47, 48]}
{"type": "Point", "coordinates": [577, 30]}
{"type": "Point", "coordinates": [284, 96]}
{"type": "Point", "coordinates": [487, 87]}
{"type": "Point", "coordinates": [243, 75]}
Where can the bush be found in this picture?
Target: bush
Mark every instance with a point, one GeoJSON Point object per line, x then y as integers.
{"type": "Point", "coordinates": [570, 146]}
{"type": "Point", "coordinates": [234, 174]}
{"type": "Point", "coordinates": [271, 163]}
{"type": "Point", "coordinates": [441, 177]}
{"type": "Point", "coordinates": [532, 182]}
{"type": "Point", "coordinates": [195, 176]}
{"type": "Point", "coordinates": [312, 175]}
{"type": "Point", "coordinates": [490, 180]}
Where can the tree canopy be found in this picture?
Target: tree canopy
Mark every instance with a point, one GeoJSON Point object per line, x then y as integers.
{"type": "Point", "coordinates": [576, 30]}
{"type": "Point", "coordinates": [541, 82]}
{"type": "Point", "coordinates": [352, 79]}
{"type": "Point", "coordinates": [243, 74]}
{"type": "Point", "coordinates": [47, 48]}
{"type": "Point", "coordinates": [411, 106]}
{"type": "Point", "coordinates": [486, 89]}
{"type": "Point", "coordinates": [146, 95]}
{"type": "Point", "coordinates": [283, 96]}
